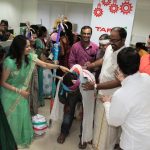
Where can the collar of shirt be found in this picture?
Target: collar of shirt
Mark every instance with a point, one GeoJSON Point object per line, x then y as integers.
{"type": "Point", "coordinates": [130, 78]}
{"type": "Point", "coordinates": [88, 47]}
{"type": "Point", "coordinates": [117, 51]}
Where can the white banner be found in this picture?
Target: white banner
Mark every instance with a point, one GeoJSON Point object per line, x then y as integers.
{"type": "Point", "coordinates": [107, 14]}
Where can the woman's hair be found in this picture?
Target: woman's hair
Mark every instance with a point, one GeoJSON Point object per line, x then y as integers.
{"type": "Point", "coordinates": [2, 55]}
{"type": "Point", "coordinates": [128, 60]}
{"type": "Point", "coordinates": [68, 32]}
{"type": "Point", "coordinates": [140, 45]}
{"type": "Point", "coordinates": [17, 49]}
{"type": "Point", "coordinates": [41, 31]}
{"type": "Point", "coordinates": [35, 29]}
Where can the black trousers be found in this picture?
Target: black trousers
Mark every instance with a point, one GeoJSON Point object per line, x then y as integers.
{"type": "Point", "coordinates": [72, 98]}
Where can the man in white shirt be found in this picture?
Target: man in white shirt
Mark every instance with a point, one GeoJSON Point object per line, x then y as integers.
{"type": "Point", "coordinates": [129, 105]}
{"type": "Point", "coordinates": [105, 136]}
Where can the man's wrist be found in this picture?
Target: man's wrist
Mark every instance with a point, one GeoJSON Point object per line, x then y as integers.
{"type": "Point", "coordinates": [91, 66]}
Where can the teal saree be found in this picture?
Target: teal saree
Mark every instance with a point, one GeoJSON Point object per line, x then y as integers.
{"type": "Point", "coordinates": [15, 106]}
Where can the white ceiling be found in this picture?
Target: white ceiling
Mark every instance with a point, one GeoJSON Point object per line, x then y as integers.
{"type": "Point", "coordinates": [140, 3]}
{"type": "Point", "coordinates": [76, 1]}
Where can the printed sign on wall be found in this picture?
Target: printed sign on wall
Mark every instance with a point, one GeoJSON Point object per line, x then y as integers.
{"type": "Point", "coordinates": [107, 14]}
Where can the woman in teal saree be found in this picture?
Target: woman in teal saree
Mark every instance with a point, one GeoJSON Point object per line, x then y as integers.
{"type": "Point", "coordinates": [17, 70]}
{"type": "Point", "coordinates": [7, 141]}
{"type": "Point", "coordinates": [44, 75]}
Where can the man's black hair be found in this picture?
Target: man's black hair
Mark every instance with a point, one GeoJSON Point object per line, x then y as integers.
{"type": "Point", "coordinates": [104, 37]}
{"type": "Point", "coordinates": [68, 77]}
{"type": "Point", "coordinates": [140, 45]}
{"type": "Point", "coordinates": [122, 32]}
{"type": "Point", "coordinates": [5, 22]}
{"type": "Point", "coordinates": [86, 27]}
{"type": "Point", "coordinates": [128, 60]}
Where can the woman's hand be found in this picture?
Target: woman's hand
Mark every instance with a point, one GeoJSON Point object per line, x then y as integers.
{"type": "Point", "coordinates": [24, 94]}
{"type": "Point", "coordinates": [64, 69]}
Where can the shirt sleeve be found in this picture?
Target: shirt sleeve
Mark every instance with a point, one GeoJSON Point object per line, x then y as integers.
{"type": "Point", "coordinates": [116, 112]}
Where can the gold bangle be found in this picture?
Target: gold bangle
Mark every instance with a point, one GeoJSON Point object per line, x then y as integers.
{"type": "Point", "coordinates": [19, 91]}
{"type": "Point", "coordinates": [16, 90]}
{"type": "Point", "coordinates": [13, 89]}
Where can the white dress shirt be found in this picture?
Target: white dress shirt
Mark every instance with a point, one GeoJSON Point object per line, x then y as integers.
{"type": "Point", "coordinates": [130, 109]}
{"type": "Point", "coordinates": [108, 69]}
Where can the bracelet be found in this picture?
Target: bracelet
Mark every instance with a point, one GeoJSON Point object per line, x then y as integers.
{"type": "Point", "coordinates": [95, 86]}
{"type": "Point", "coordinates": [18, 90]}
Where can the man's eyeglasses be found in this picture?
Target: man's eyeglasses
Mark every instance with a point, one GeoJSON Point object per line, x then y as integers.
{"type": "Point", "coordinates": [102, 45]}
{"type": "Point", "coordinates": [115, 40]}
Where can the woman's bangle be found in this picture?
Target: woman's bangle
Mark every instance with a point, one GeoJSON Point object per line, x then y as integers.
{"type": "Point", "coordinates": [18, 90]}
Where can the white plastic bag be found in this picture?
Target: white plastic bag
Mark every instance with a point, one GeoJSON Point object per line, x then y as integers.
{"type": "Point", "coordinates": [39, 124]}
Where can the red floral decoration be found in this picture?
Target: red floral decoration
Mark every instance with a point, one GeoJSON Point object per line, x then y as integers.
{"type": "Point", "coordinates": [106, 2]}
{"type": "Point", "coordinates": [98, 12]}
{"type": "Point", "coordinates": [113, 8]}
{"type": "Point", "coordinates": [126, 7]}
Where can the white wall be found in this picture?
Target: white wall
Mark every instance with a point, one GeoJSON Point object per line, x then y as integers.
{"type": "Point", "coordinates": [11, 11]}
{"type": "Point", "coordinates": [77, 13]}
{"type": "Point", "coordinates": [35, 11]}
{"type": "Point", "coordinates": [29, 11]}
{"type": "Point", "coordinates": [16, 11]}
{"type": "Point", "coordinates": [141, 28]}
